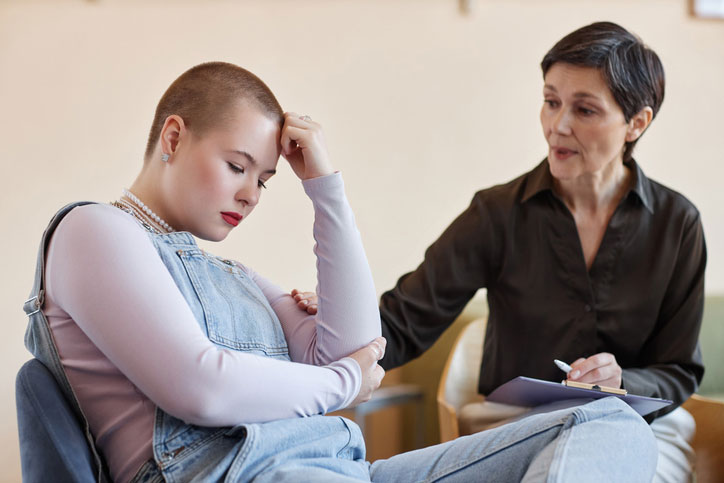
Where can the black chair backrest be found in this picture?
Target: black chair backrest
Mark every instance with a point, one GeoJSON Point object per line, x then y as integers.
{"type": "Point", "coordinates": [52, 444]}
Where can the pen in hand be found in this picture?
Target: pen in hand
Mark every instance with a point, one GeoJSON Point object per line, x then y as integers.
{"type": "Point", "coordinates": [562, 366]}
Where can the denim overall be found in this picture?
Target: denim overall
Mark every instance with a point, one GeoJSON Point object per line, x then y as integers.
{"type": "Point", "coordinates": [234, 314]}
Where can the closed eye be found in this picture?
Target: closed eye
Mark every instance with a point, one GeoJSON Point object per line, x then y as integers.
{"type": "Point", "coordinates": [236, 169]}
{"type": "Point", "coordinates": [262, 184]}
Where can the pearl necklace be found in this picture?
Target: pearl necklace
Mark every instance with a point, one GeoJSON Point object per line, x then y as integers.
{"type": "Point", "coordinates": [147, 210]}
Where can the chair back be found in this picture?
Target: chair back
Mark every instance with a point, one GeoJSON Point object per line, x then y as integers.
{"type": "Point", "coordinates": [459, 380]}
{"type": "Point", "coordinates": [708, 441]}
{"type": "Point", "coordinates": [52, 444]}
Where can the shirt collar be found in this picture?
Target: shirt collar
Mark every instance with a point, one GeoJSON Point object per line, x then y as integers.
{"type": "Point", "coordinates": [642, 186]}
{"type": "Point", "coordinates": [537, 181]}
{"type": "Point", "coordinates": [540, 180]}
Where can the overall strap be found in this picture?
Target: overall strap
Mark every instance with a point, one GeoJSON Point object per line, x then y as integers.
{"type": "Point", "coordinates": [39, 339]}
{"type": "Point", "coordinates": [37, 294]}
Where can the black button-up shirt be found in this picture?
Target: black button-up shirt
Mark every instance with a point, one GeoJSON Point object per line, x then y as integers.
{"type": "Point", "coordinates": [642, 299]}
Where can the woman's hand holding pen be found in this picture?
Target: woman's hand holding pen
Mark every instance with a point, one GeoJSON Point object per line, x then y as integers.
{"type": "Point", "coordinates": [601, 369]}
{"type": "Point", "coordinates": [372, 373]}
{"type": "Point", "coordinates": [304, 147]}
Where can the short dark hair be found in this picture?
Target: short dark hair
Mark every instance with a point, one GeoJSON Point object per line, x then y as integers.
{"type": "Point", "coordinates": [632, 71]}
{"type": "Point", "coordinates": [203, 95]}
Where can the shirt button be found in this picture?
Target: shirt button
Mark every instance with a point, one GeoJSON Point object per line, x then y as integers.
{"type": "Point", "coordinates": [587, 308]}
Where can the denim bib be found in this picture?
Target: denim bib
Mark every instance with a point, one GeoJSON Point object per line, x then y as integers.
{"type": "Point", "coordinates": [229, 307]}
{"type": "Point", "coordinates": [234, 314]}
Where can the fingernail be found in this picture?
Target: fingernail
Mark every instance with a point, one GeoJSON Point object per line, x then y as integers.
{"type": "Point", "coordinates": [575, 374]}
{"type": "Point", "coordinates": [305, 302]}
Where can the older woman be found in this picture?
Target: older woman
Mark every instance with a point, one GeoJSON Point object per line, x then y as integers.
{"type": "Point", "coordinates": [584, 258]}
{"type": "Point", "coordinates": [190, 367]}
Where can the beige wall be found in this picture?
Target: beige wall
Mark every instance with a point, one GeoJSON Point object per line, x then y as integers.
{"type": "Point", "coordinates": [422, 106]}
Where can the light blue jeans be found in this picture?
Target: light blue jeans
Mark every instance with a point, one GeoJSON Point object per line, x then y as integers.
{"type": "Point", "coordinates": [601, 441]}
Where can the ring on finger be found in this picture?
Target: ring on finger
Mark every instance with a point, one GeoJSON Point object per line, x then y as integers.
{"type": "Point", "coordinates": [305, 118]}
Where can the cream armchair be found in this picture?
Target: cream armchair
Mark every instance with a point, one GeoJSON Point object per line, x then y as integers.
{"type": "Point", "coordinates": [458, 388]}
{"type": "Point", "coordinates": [459, 381]}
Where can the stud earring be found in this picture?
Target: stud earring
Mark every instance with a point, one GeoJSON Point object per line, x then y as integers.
{"type": "Point", "coordinates": [164, 157]}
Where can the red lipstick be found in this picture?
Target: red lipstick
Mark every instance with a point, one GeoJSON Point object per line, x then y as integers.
{"type": "Point", "coordinates": [231, 217]}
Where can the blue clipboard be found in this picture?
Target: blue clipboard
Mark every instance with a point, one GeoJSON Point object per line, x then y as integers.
{"type": "Point", "coordinates": [529, 392]}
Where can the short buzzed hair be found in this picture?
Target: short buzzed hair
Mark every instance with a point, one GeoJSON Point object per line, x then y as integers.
{"type": "Point", "coordinates": [204, 95]}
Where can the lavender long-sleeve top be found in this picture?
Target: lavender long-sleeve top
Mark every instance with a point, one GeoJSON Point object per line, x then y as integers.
{"type": "Point", "coordinates": [129, 342]}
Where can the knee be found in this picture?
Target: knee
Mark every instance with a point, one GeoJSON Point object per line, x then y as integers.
{"type": "Point", "coordinates": [628, 429]}
{"type": "Point", "coordinates": [637, 426]}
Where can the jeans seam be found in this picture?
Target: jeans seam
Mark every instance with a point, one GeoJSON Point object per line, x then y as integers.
{"type": "Point", "coordinates": [558, 461]}
{"type": "Point", "coordinates": [349, 437]}
{"type": "Point", "coordinates": [246, 446]}
{"type": "Point", "coordinates": [461, 464]}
